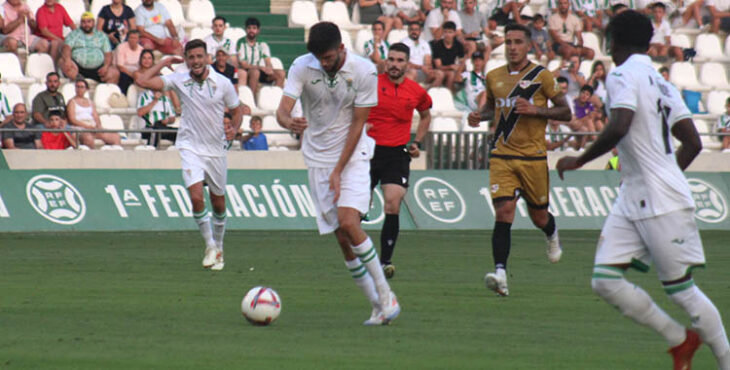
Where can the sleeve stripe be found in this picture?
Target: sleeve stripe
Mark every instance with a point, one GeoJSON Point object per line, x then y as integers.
{"type": "Point", "coordinates": [295, 97]}
{"type": "Point", "coordinates": [366, 105]}
{"type": "Point", "coordinates": [627, 106]}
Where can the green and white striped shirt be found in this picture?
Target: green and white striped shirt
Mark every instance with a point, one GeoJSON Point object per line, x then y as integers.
{"type": "Point", "coordinates": [255, 54]}
{"type": "Point", "coordinates": [370, 47]}
{"type": "Point", "coordinates": [589, 7]}
{"type": "Point", "coordinates": [162, 110]}
{"type": "Point", "coordinates": [4, 107]}
{"type": "Point", "coordinates": [723, 122]}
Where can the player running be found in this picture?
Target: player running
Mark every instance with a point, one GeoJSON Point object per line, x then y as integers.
{"type": "Point", "coordinates": [337, 89]}
{"type": "Point", "coordinates": [653, 216]}
{"type": "Point", "coordinates": [390, 126]}
{"type": "Point", "coordinates": [517, 96]}
{"type": "Point", "coordinates": [201, 139]}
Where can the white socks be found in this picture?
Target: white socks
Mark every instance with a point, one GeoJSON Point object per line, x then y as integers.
{"type": "Point", "coordinates": [203, 220]}
{"type": "Point", "coordinates": [369, 257]}
{"type": "Point", "coordinates": [705, 318]}
{"type": "Point", "coordinates": [219, 229]}
{"type": "Point", "coordinates": [363, 280]}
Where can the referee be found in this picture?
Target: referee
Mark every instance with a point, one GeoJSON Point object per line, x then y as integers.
{"type": "Point", "coordinates": [390, 125]}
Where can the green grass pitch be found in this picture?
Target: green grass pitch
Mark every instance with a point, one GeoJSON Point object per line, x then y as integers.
{"type": "Point", "coordinates": [142, 301]}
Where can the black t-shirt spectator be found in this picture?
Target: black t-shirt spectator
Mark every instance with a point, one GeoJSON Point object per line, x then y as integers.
{"type": "Point", "coordinates": [112, 23]}
{"type": "Point", "coordinates": [447, 56]}
{"type": "Point", "coordinates": [22, 139]}
{"type": "Point", "coordinates": [229, 72]}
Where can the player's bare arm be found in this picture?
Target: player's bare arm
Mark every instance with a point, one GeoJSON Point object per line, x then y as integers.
{"type": "Point", "coordinates": [616, 129]}
{"type": "Point", "coordinates": [150, 79]}
{"type": "Point", "coordinates": [424, 122]}
{"type": "Point", "coordinates": [559, 112]}
{"type": "Point", "coordinates": [691, 145]}
{"type": "Point", "coordinates": [236, 118]}
{"type": "Point", "coordinates": [359, 116]}
{"type": "Point", "coordinates": [283, 116]}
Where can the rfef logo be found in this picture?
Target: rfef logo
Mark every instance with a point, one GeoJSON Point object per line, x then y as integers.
{"type": "Point", "coordinates": [710, 204]}
{"type": "Point", "coordinates": [439, 199]}
{"type": "Point", "coordinates": [55, 199]}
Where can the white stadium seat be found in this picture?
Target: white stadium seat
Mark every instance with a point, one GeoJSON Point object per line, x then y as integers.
{"type": "Point", "coordinates": [303, 13]}
{"type": "Point", "coordinates": [38, 66]}
{"type": "Point", "coordinates": [269, 124]}
{"type": "Point", "coordinates": [396, 36]}
{"type": "Point", "coordinates": [585, 68]}
{"type": "Point", "coordinates": [276, 63]}
{"type": "Point", "coordinates": [443, 101]}
{"type": "Point", "coordinates": [713, 74]}
{"type": "Point", "coordinates": [553, 65]}
{"type": "Point", "coordinates": [680, 40]}
{"type": "Point", "coordinates": [234, 33]}
{"type": "Point", "coordinates": [113, 122]}
{"type": "Point", "coordinates": [336, 12]}
{"type": "Point", "coordinates": [727, 47]}
{"type": "Point", "coordinates": [96, 6]}
{"type": "Point", "coordinates": [493, 63]}
{"type": "Point", "coordinates": [133, 3]}
{"type": "Point", "coordinates": [444, 124]}
{"type": "Point", "coordinates": [346, 39]}
{"type": "Point", "coordinates": [176, 13]}
{"type": "Point", "coordinates": [708, 47]}
{"type": "Point", "coordinates": [34, 5]}
{"type": "Point", "coordinates": [102, 94]}
{"type": "Point", "coordinates": [682, 74]}
{"type": "Point", "coordinates": [200, 33]}
{"type": "Point", "coordinates": [201, 12]}
{"type": "Point", "coordinates": [590, 40]}
{"type": "Point", "coordinates": [716, 102]}
{"type": "Point", "coordinates": [362, 37]}
{"type": "Point", "coordinates": [33, 90]}
{"type": "Point", "coordinates": [75, 8]}
{"type": "Point", "coordinates": [132, 94]}
{"type": "Point", "coordinates": [269, 97]}
{"type": "Point", "coordinates": [68, 90]}
{"type": "Point", "coordinates": [11, 71]}
{"type": "Point", "coordinates": [245, 95]}
{"type": "Point", "coordinates": [13, 93]}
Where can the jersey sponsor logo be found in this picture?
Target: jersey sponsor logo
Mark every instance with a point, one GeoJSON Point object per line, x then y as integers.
{"type": "Point", "coordinates": [55, 199]}
{"type": "Point", "coordinates": [710, 203]}
{"type": "Point", "coordinates": [314, 82]}
{"type": "Point", "coordinates": [440, 200]}
{"type": "Point", "coordinates": [507, 122]}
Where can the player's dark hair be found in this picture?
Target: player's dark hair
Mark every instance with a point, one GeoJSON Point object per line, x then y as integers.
{"type": "Point", "coordinates": [617, 7]}
{"type": "Point", "coordinates": [323, 37]}
{"type": "Point", "coordinates": [562, 79]}
{"type": "Point", "coordinates": [51, 74]}
{"type": "Point", "coordinates": [631, 29]}
{"type": "Point", "coordinates": [252, 21]}
{"type": "Point", "coordinates": [194, 44]}
{"type": "Point", "coordinates": [588, 88]}
{"type": "Point", "coordinates": [219, 18]}
{"type": "Point", "coordinates": [403, 48]}
{"type": "Point", "coordinates": [380, 23]}
{"type": "Point", "coordinates": [449, 25]}
{"type": "Point", "coordinates": [518, 27]}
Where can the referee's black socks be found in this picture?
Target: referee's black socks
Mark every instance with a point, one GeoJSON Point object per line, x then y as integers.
{"type": "Point", "coordinates": [388, 237]}
{"type": "Point", "coordinates": [501, 242]}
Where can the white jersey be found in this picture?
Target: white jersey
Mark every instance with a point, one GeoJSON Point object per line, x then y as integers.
{"type": "Point", "coordinates": [419, 50]}
{"type": "Point", "coordinates": [328, 104]}
{"type": "Point", "coordinates": [652, 182]}
{"type": "Point", "coordinates": [201, 125]}
{"type": "Point", "coordinates": [212, 44]}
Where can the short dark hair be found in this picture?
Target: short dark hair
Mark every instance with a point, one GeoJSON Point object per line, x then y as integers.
{"type": "Point", "coordinates": [631, 29]}
{"type": "Point", "coordinates": [194, 44]}
{"type": "Point", "coordinates": [537, 17]}
{"type": "Point", "coordinates": [658, 4]}
{"type": "Point", "coordinates": [253, 21]}
{"type": "Point", "coordinates": [81, 79]}
{"type": "Point", "coordinates": [51, 74]}
{"type": "Point", "coordinates": [219, 18]}
{"type": "Point", "coordinates": [323, 37]}
{"type": "Point", "coordinates": [134, 31]}
{"type": "Point", "coordinates": [518, 27]}
{"type": "Point", "coordinates": [663, 69]}
{"type": "Point", "coordinates": [378, 22]}
{"type": "Point", "coordinates": [403, 48]}
{"type": "Point", "coordinates": [55, 113]}
{"type": "Point", "coordinates": [562, 79]}
{"type": "Point", "coordinates": [449, 25]}
{"type": "Point", "coordinates": [588, 88]}
{"type": "Point", "coordinates": [617, 7]}
{"type": "Point", "coordinates": [415, 23]}
{"type": "Point", "coordinates": [146, 51]}
{"type": "Point", "coordinates": [256, 118]}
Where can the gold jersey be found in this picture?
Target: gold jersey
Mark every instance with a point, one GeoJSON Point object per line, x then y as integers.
{"type": "Point", "coordinates": [519, 135]}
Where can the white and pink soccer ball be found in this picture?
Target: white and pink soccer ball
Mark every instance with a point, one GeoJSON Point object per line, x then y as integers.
{"type": "Point", "coordinates": [261, 306]}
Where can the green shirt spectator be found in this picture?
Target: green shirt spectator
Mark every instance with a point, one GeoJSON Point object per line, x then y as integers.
{"type": "Point", "coordinates": [87, 49]}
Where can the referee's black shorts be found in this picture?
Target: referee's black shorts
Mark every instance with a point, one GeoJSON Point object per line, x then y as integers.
{"type": "Point", "coordinates": [390, 165]}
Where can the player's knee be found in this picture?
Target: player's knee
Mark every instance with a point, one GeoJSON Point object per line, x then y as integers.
{"type": "Point", "coordinates": [604, 287]}
{"type": "Point", "coordinates": [347, 223]}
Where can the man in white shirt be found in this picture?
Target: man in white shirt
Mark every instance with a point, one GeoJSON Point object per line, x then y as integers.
{"type": "Point", "coordinates": [155, 26]}
{"type": "Point", "coordinates": [432, 29]}
{"type": "Point", "coordinates": [337, 89]}
{"type": "Point", "coordinates": [216, 41]}
{"type": "Point", "coordinates": [420, 67]}
{"type": "Point", "coordinates": [653, 216]}
{"type": "Point", "coordinates": [201, 138]}
{"type": "Point", "coordinates": [566, 29]}
{"type": "Point", "coordinates": [661, 42]}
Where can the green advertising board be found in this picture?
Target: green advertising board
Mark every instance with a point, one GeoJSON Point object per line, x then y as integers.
{"type": "Point", "coordinates": [110, 200]}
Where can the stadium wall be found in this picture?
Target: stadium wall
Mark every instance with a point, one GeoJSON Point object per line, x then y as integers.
{"type": "Point", "coordinates": [55, 199]}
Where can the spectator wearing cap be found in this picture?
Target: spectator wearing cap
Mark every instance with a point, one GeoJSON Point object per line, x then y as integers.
{"type": "Point", "coordinates": [51, 17]}
{"type": "Point", "coordinates": [21, 139]}
{"type": "Point", "coordinates": [217, 41]}
{"type": "Point", "coordinates": [448, 54]}
{"type": "Point", "coordinates": [155, 26]}
{"type": "Point", "coordinates": [255, 59]}
{"type": "Point", "coordinates": [126, 57]}
{"type": "Point", "coordinates": [88, 52]}
{"type": "Point", "coordinates": [16, 31]}
{"type": "Point", "coordinates": [565, 29]}
{"type": "Point", "coordinates": [116, 20]}
{"type": "Point", "coordinates": [376, 49]}
{"type": "Point", "coordinates": [474, 82]}
{"type": "Point", "coordinates": [222, 66]}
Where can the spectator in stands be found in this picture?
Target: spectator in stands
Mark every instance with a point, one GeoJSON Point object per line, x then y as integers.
{"type": "Point", "coordinates": [406, 10]}
{"type": "Point", "coordinates": [217, 41]}
{"type": "Point", "coordinates": [156, 28]}
{"type": "Point", "coordinates": [255, 59]}
{"type": "Point", "coordinates": [565, 29]}
{"type": "Point", "coordinates": [691, 12]}
{"type": "Point", "coordinates": [5, 113]}
{"type": "Point", "coordinates": [377, 48]}
{"type": "Point", "coordinates": [502, 9]}
{"type": "Point", "coordinates": [255, 140]}
{"type": "Point", "coordinates": [419, 64]}
{"type": "Point", "coordinates": [557, 135]}
{"type": "Point", "coordinates": [584, 110]}
{"type": "Point", "coordinates": [16, 30]}
{"type": "Point", "coordinates": [81, 114]}
{"type": "Point", "coordinates": [664, 71]}
{"type": "Point", "coordinates": [491, 33]}
{"type": "Point", "coordinates": [475, 82]}
{"type": "Point", "coordinates": [661, 43]}
{"type": "Point", "coordinates": [156, 109]}
{"type": "Point", "coordinates": [598, 82]}
{"type": "Point", "coordinates": [146, 61]}
{"type": "Point", "coordinates": [719, 15]}
{"type": "Point", "coordinates": [50, 18]}
{"type": "Point", "coordinates": [116, 20]}
{"type": "Point", "coordinates": [542, 44]}
{"type": "Point", "coordinates": [571, 72]}
{"type": "Point", "coordinates": [222, 66]}
{"type": "Point", "coordinates": [474, 24]}
{"type": "Point", "coordinates": [57, 140]}
{"type": "Point", "coordinates": [723, 126]}
{"type": "Point", "coordinates": [126, 57]}
{"type": "Point", "coordinates": [87, 51]}
{"type": "Point", "coordinates": [434, 21]}
{"type": "Point", "coordinates": [448, 55]}
{"type": "Point", "coordinates": [21, 139]}
{"type": "Point", "coordinates": [49, 100]}
{"type": "Point", "coordinates": [589, 11]}
{"type": "Point", "coordinates": [371, 11]}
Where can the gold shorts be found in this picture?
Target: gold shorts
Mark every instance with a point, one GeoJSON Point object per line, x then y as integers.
{"type": "Point", "coordinates": [528, 178]}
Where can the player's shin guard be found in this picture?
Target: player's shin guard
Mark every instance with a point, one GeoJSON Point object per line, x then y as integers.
{"type": "Point", "coordinates": [219, 228]}
{"type": "Point", "coordinates": [203, 220]}
{"type": "Point", "coordinates": [363, 280]}
{"type": "Point", "coordinates": [705, 318]}
{"type": "Point", "coordinates": [388, 237]}
{"type": "Point", "coordinates": [549, 228]}
{"type": "Point", "coordinates": [501, 243]}
{"type": "Point", "coordinates": [369, 257]}
{"type": "Point", "coordinates": [635, 303]}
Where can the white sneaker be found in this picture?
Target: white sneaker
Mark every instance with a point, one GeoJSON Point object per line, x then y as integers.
{"type": "Point", "coordinates": [219, 263]}
{"type": "Point", "coordinates": [497, 281]}
{"type": "Point", "coordinates": [212, 254]}
{"type": "Point", "coordinates": [376, 318]}
{"type": "Point", "coordinates": [554, 249]}
{"type": "Point", "coordinates": [391, 308]}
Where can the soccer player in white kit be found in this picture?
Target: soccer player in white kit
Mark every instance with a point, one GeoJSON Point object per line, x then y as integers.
{"type": "Point", "coordinates": [201, 139]}
{"type": "Point", "coordinates": [652, 219]}
{"type": "Point", "coordinates": [337, 89]}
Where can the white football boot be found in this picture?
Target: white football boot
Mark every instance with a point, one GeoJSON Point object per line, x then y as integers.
{"type": "Point", "coordinates": [554, 249]}
{"type": "Point", "coordinates": [219, 263]}
{"type": "Point", "coordinates": [497, 281]}
{"type": "Point", "coordinates": [212, 254]}
{"type": "Point", "coordinates": [391, 308]}
{"type": "Point", "coordinates": [376, 318]}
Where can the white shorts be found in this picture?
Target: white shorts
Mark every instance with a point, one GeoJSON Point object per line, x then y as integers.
{"type": "Point", "coordinates": [354, 193]}
{"type": "Point", "coordinates": [196, 168]}
{"type": "Point", "coordinates": [672, 241]}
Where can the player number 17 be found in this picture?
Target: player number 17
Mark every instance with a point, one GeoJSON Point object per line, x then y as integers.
{"type": "Point", "coordinates": [664, 111]}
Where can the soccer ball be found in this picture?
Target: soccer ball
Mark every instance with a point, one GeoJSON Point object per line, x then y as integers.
{"type": "Point", "coordinates": [261, 306]}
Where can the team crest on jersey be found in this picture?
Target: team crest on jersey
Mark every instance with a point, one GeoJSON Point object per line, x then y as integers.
{"type": "Point", "coordinates": [525, 84]}
{"type": "Point", "coordinates": [349, 83]}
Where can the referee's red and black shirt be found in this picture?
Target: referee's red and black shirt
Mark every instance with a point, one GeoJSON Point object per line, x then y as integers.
{"type": "Point", "coordinates": [391, 118]}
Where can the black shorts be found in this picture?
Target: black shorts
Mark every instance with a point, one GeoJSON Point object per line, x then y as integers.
{"type": "Point", "coordinates": [89, 73]}
{"type": "Point", "coordinates": [556, 47]}
{"type": "Point", "coordinates": [500, 17]}
{"type": "Point", "coordinates": [390, 165]}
